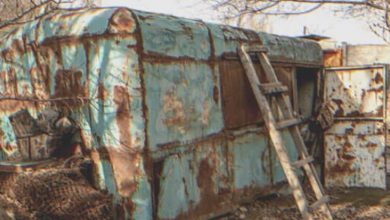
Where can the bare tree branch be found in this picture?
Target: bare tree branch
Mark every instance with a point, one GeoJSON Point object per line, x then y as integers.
{"type": "Point", "coordinates": [21, 11]}
{"type": "Point", "coordinates": [376, 11]}
{"type": "Point", "coordinates": [315, 7]}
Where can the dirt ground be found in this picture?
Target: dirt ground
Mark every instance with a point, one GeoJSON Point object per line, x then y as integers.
{"type": "Point", "coordinates": [352, 203]}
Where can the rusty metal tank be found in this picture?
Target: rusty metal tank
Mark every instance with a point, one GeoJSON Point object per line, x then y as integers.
{"type": "Point", "coordinates": [163, 104]}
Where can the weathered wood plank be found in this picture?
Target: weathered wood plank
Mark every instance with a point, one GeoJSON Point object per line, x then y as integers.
{"type": "Point", "coordinates": [301, 163]}
{"type": "Point", "coordinates": [272, 88]}
{"type": "Point", "coordinates": [288, 123]}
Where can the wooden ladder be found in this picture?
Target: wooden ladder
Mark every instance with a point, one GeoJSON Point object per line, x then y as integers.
{"type": "Point", "coordinates": [275, 89]}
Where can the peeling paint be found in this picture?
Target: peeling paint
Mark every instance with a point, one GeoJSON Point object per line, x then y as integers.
{"type": "Point", "coordinates": [356, 93]}
{"type": "Point", "coordinates": [355, 144]}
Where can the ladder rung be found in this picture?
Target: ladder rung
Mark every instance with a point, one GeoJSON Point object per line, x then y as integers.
{"type": "Point", "coordinates": [288, 123]}
{"type": "Point", "coordinates": [318, 203]}
{"type": "Point", "coordinates": [270, 88]}
{"type": "Point", "coordinates": [256, 49]}
{"type": "Point", "coordinates": [301, 163]}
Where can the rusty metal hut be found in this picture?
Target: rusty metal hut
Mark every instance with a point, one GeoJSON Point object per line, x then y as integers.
{"type": "Point", "coordinates": [163, 103]}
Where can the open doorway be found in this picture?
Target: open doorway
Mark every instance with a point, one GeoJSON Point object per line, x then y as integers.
{"type": "Point", "coordinates": [306, 93]}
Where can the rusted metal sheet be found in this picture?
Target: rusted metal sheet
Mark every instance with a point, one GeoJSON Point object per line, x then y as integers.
{"type": "Point", "coordinates": [167, 36]}
{"type": "Point", "coordinates": [333, 58]}
{"type": "Point", "coordinates": [366, 54]}
{"type": "Point", "coordinates": [282, 49]}
{"type": "Point", "coordinates": [292, 50]}
{"type": "Point", "coordinates": [250, 173]}
{"type": "Point", "coordinates": [180, 102]}
{"type": "Point", "coordinates": [251, 161]}
{"type": "Point", "coordinates": [146, 91]}
{"type": "Point", "coordinates": [354, 154]}
{"type": "Point", "coordinates": [193, 184]}
{"type": "Point", "coordinates": [355, 143]}
{"type": "Point", "coordinates": [226, 39]}
{"type": "Point", "coordinates": [87, 64]}
{"type": "Point", "coordinates": [355, 92]}
{"type": "Point", "coordinates": [213, 174]}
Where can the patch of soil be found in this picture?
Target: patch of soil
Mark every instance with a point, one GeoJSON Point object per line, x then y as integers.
{"type": "Point", "coordinates": [351, 203]}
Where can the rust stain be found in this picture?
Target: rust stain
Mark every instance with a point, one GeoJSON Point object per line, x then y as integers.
{"type": "Point", "coordinates": [346, 152]}
{"type": "Point", "coordinates": [102, 92]}
{"type": "Point", "coordinates": [8, 55]}
{"type": "Point", "coordinates": [210, 200]}
{"type": "Point", "coordinates": [125, 167]}
{"type": "Point", "coordinates": [216, 94]}
{"type": "Point", "coordinates": [122, 22]}
{"type": "Point", "coordinates": [333, 58]}
{"type": "Point", "coordinates": [156, 57]}
{"type": "Point", "coordinates": [204, 179]}
{"type": "Point", "coordinates": [187, 31]}
{"type": "Point", "coordinates": [125, 206]}
{"type": "Point", "coordinates": [339, 103]}
{"type": "Point", "coordinates": [362, 137]}
{"type": "Point", "coordinates": [371, 147]}
{"type": "Point", "coordinates": [378, 78]}
{"type": "Point", "coordinates": [39, 83]}
{"type": "Point", "coordinates": [205, 113]}
{"type": "Point", "coordinates": [123, 115]}
{"type": "Point", "coordinates": [17, 46]}
{"type": "Point", "coordinates": [12, 106]}
{"type": "Point", "coordinates": [174, 109]}
{"type": "Point", "coordinates": [349, 131]}
{"type": "Point", "coordinates": [380, 131]}
{"type": "Point", "coordinates": [68, 85]}
{"type": "Point", "coordinates": [42, 72]}
{"type": "Point", "coordinates": [9, 83]}
{"type": "Point", "coordinates": [354, 114]}
{"type": "Point", "coordinates": [342, 168]}
{"type": "Point", "coordinates": [25, 91]}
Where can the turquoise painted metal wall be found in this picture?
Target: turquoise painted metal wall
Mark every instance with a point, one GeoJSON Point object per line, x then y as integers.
{"type": "Point", "coordinates": [145, 89]}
